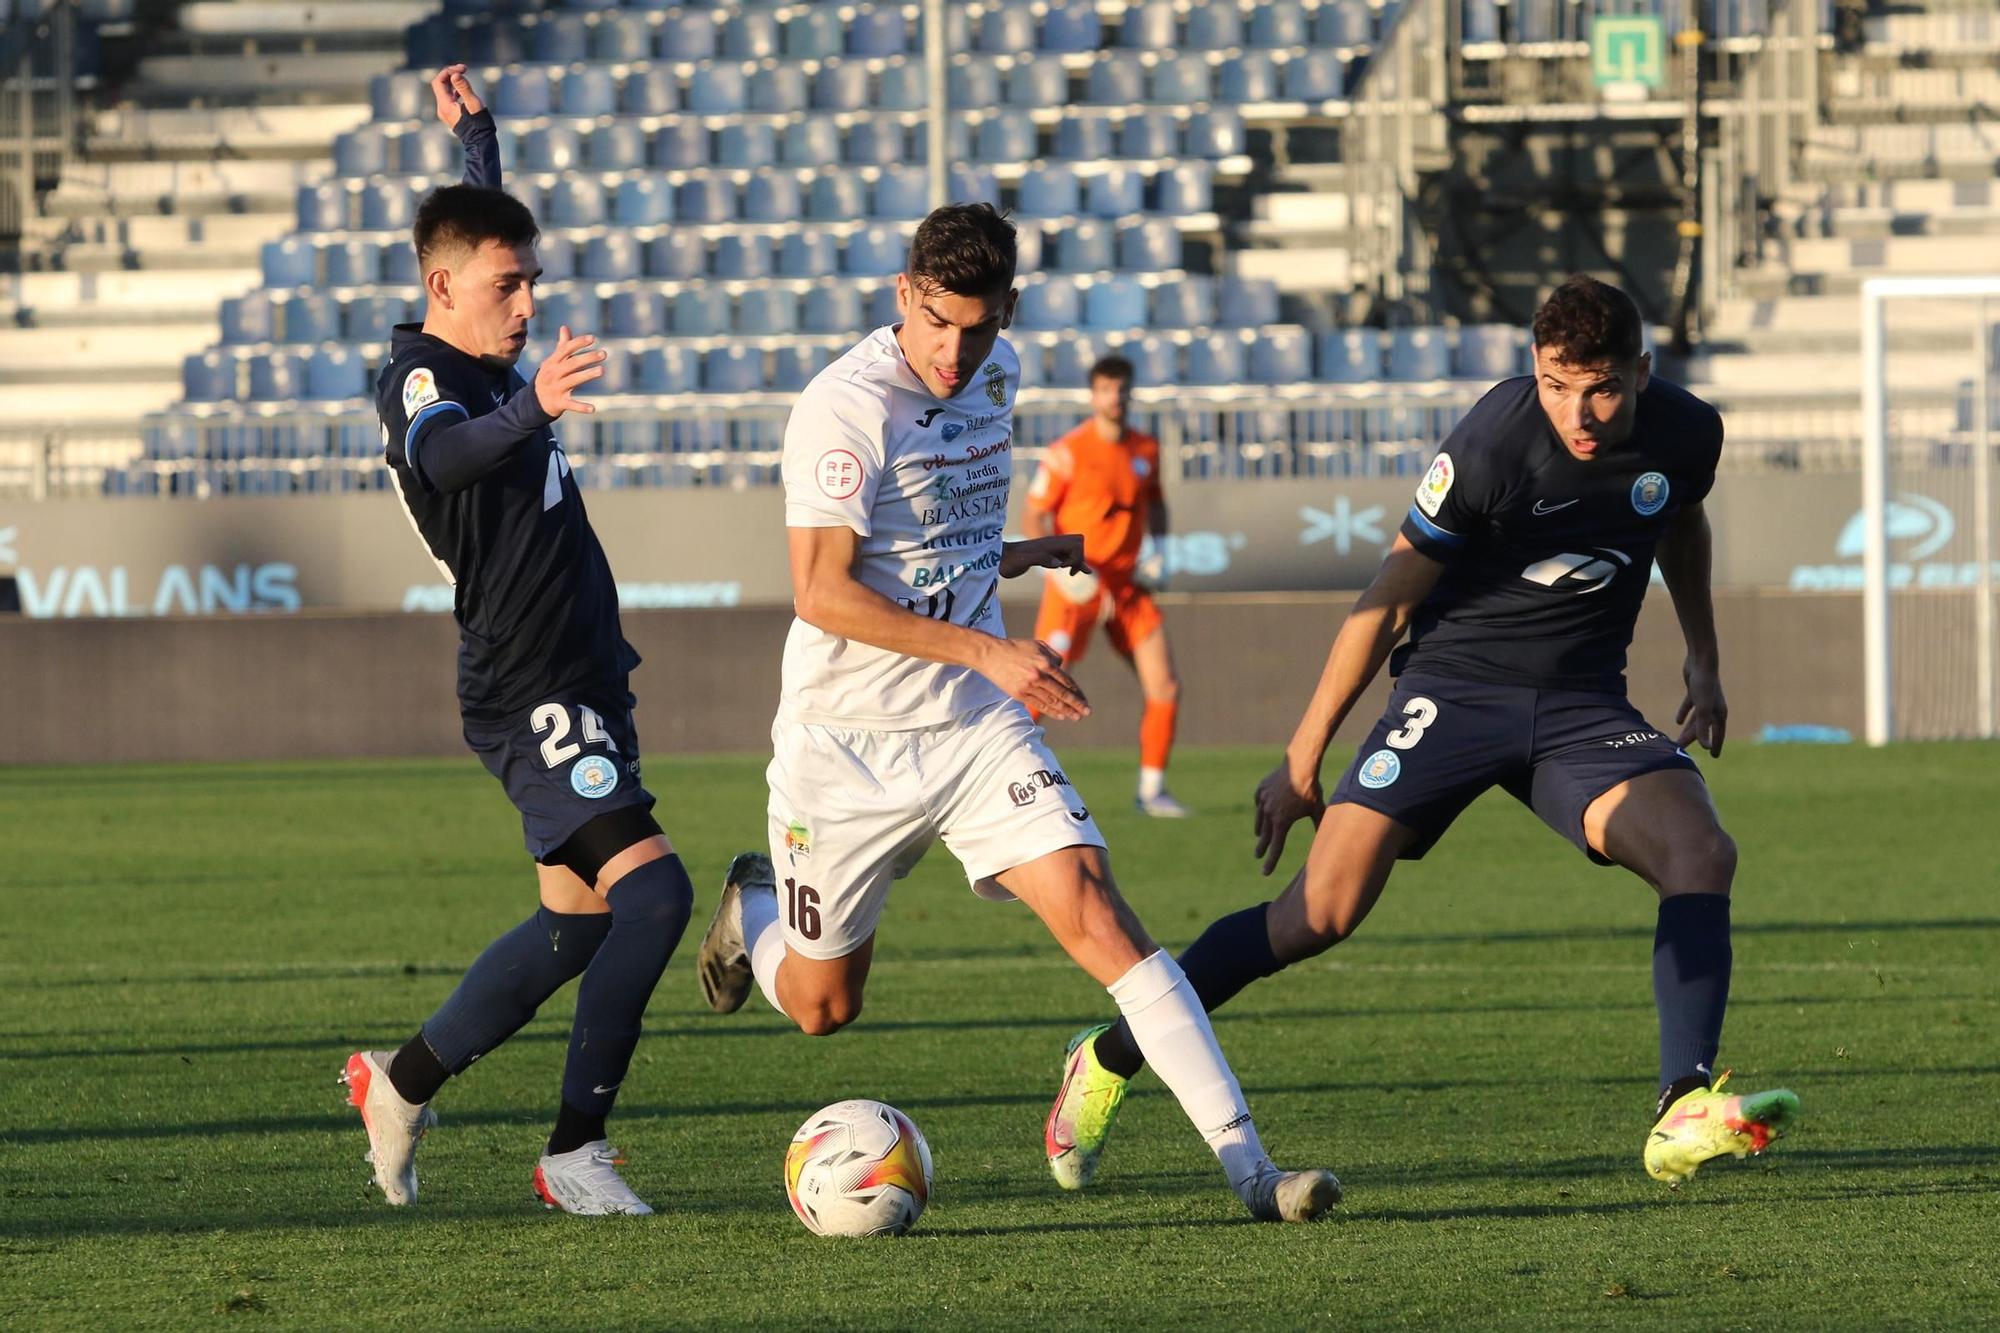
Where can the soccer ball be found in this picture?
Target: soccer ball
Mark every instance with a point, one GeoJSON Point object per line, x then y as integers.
{"type": "Point", "coordinates": [858, 1168]}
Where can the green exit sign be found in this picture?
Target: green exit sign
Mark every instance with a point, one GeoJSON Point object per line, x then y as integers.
{"type": "Point", "coordinates": [1629, 52]}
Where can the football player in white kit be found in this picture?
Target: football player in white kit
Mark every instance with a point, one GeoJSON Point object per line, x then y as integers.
{"type": "Point", "coordinates": [903, 720]}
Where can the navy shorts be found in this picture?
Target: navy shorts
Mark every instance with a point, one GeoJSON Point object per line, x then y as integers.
{"type": "Point", "coordinates": [564, 763]}
{"type": "Point", "coordinates": [1444, 742]}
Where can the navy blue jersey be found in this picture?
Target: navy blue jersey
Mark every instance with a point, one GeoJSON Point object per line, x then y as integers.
{"type": "Point", "coordinates": [1548, 556]}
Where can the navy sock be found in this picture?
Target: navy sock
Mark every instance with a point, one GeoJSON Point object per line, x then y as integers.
{"type": "Point", "coordinates": [1691, 958]}
{"type": "Point", "coordinates": [1234, 951]}
{"type": "Point", "coordinates": [649, 911]}
{"type": "Point", "coordinates": [500, 991]}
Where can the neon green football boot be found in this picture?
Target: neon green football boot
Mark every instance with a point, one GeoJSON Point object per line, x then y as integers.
{"type": "Point", "coordinates": [1708, 1122]}
{"type": "Point", "coordinates": [1085, 1109]}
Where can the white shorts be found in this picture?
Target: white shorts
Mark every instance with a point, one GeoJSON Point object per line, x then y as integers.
{"type": "Point", "coordinates": [852, 811]}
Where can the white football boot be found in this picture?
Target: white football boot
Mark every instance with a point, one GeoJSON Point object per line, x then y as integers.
{"type": "Point", "coordinates": [723, 962]}
{"type": "Point", "coordinates": [586, 1182]}
{"type": "Point", "coordinates": [1292, 1196]}
{"type": "Point", "coordinates": [394, 1126]}
{"type": "Point", "coordinates": [1161, 805]}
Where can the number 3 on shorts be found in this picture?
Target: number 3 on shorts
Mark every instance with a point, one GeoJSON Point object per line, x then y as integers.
{"type": "Point", "coordinates": [1421, 712]}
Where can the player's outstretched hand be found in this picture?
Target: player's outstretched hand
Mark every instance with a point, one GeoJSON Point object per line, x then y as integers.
{"type": "Point", "coordinates": [1704, 713]}
{"type": "Point", "coordinates": [1063, 551]}
{"type": "Point", "coordinates": [456, 97]}
{"type": "Point", "coordinates": [1282, 801]}
{"type": "Point", "coordinates": [1031, 671]}
{"type": "Point", "coordinates": [571, 366]}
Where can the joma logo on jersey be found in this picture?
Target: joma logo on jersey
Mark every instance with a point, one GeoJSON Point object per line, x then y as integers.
{"type": "Point", "coordinates": [930, 414]}
{"type": "Point", "coordinates": [1025, 792]}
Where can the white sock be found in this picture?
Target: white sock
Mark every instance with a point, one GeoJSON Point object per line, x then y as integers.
{"type": "Point", "coordinates": [1175, 1037]}
{"type": "Point", "coordinates": [1152, 781]}
{"type": "Point", "coordinates": [764, 940]}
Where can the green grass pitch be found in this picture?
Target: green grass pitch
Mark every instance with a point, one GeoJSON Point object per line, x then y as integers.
{"type": "Point", "coordinates": [188, 954]}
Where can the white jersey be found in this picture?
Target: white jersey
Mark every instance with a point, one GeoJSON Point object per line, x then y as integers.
{"type": "Point", "coordinates": [923, 482]}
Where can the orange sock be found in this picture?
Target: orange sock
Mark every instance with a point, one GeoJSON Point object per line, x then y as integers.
{"type": "Point", "coordinates": [1156, 734]}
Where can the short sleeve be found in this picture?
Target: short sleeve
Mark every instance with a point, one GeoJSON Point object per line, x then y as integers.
{"type": "Point", "coordinates": [1454, 499]}
{"type": "Point", "coordinates": [1052, 478]}
{"type": "Point", "coordinates": [421, 398]}
{"type": "Point", "coordinates": [1710, 458]}
{"type": "Point", "coordinates": [832, 466]}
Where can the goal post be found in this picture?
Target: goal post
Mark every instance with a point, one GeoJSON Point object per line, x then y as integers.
{"type": "Point", "coordinates": [1928, 550]}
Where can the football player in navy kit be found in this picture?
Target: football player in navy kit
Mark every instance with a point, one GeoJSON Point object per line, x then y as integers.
{"type": "Point", "coordinates": [1518, 576]}
{"type": "Point", "coordinates": [542, 683]}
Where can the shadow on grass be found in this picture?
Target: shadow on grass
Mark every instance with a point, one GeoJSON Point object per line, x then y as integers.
{"type": "Point", "coordinates": [1587, 933]}
{"type": "Point", "coordinates": [1685, 1199]}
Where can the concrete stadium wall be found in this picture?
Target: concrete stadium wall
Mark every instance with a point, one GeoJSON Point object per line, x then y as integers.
{"type": "Point", "coordinates": [324, 685]}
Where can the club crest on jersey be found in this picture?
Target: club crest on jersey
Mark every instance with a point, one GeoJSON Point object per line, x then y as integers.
{"type": "Point", "coordinates": [839, 474]}
{"type": "Point", "coordinates": [1380, 769]}
{"type": "Point", "coordinates": [798, 841]}
{"type": "Point", "coordinates": [419, 390]}
{"type": "Point", "coordinates": [1434, 487]}
{"type": "Point", "coordinates": [594, 777]}
{"type": "Point", "coordinates": [996, 384]}
{"type": "Point", "coordinates": [1649, 494]}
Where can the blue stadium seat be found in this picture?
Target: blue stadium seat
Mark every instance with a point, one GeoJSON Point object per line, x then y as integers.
{"type": "Point", "coordinates": [323, 207]}
{"type": "Point", "coordinates": [398, 96]}
{"type": "Point", "coordinates": [1083, 138]}
{"type": "Point", "coordinates": [1115, 193]}
{"type": "Point", "coordinates": [1184, 303]}
{"type": "Point", "coordinates": [1213, 358]}
{"type": "Point", "coordinates": [590, 91]}
{"type": "Point", "coordinates": [399, 263]}
{"type": "Point", "coordinates": [1350, 356]}
{"type": "Point", "coordinates": [550, 148]}
{"type": "Point", "coordinates": [900, 192]}
{"type": "Point", "coordinates": [1490, 352]}
{"type": "Point", "coordinates": [1007, 30]}
{"type": "Point", "coordinates": [1281, 23]}
{"type": "Point", "coordinates": [527, 190]}
{"type": "Point", "coordinates": [1151, 246]}
{"type": "Point", "coordinates": [372, 319]}
{"type": "Point", "coordinates": [717, 90]}
{"type": "Point", "coordinates": [685, 37]}
{"type": "Point", "coordinates": [700, 312]}
{"type": "Point", "coordinates": [813, 33]}
{"type": "Point", "coordinates": [836, 198]}
{"type": "Point", "coordinates": [792, 367]}
{"type": "Point", "coordinates": [208, 377]}
{"type": "Point", "coordinates": [1186, 189]}
{"type": "Point", "coordinates": [361, 152]}
{"type": "Point", "coordinates": [811, 143]}
{"type": "Point", "coordinates": [335, 374]}
{"type": "Point", "coordinates": [1217, 132]}
{"type": "Point", "coordinates": [1117, 79]}
{"type": "Point", "coordinates": [247, 318]}
{"type": "Point", "coordinates": [653, 91]}
{"type": "Point", "coordinates": [1033, 84]}
{"type": "Point", "coordinates": [1281, 356]}
{"type": "Point", "coordinates": [900, 87]}
{"type": "Point", "coordinates": [668, 369]}
{"type": "Point", "coordinates": [772, 196]}
{"type": "Point", "coordinates": [808, 254]}
{"type": "Point", "coordinates": [977, 85]}
{"type": "Point", "coordinates": [767, 310]}
{"type": "Point", "coordinates": [1245, 303]}
{"type": "Point", "coordinates": [1150, 26]}
{"type": "Point", "coordinates": [1482, 21]}
{"type": "Point", "coordinates": [426, 154]}
{"type": "Point", "coordinates": [681, 145]}
{"type": "Point", "coordinates": [841, 85]}
{"type": "Point", "coordinates": [705, 199]}
{"type": "Point", "coordinates": [1213, 28]}
{"type": "Point", "coordinates": [352, 263]}
{"type": "Point", "coordinates": [882, 309]}
{"type": "Point", "coordinates": [387, 206]}
{"type": "Point", "coordinates": [1249, 77]}
{"type": "Point", "coordinates": [875, 143]}
{"type": "Point", "coordinates": [1049, 305]}
{"type": "Point", "coordinates": [635, 312]}
{"type": "Point", "coordinates": [555, 250]}
{"type": "Point", "coordinates": [750, 35]}
{"type": "Point", "coordinates": [741, 255]}
{"type": "Point", "coordinates": [557, 39]}
{"type": "Point", "coordinates": [746, 144]}
{"type": "Point", "coordinates": [1155, 360]}
{"type": "Point", "coordinates": [575, 307]}
{"type": "Point", "coordinates": [975, 185]}
{"type": "Point", "coordinates": [276, 377]}
{"type": "Point", "coordinates": [877, 32]}
{"type": "Point", "coordinates": [1342, 23]}
{"type": "Point", "coordinates": [780, 90]}
{"type": "Point", "coordinates": [676, 254]}
{"type": "Point", "coordinates": [1027, 249]}
{"type": "Point", "coordinates": [618, 146]}
{"type": "Point", "coordinates": [1068, 364]}
{"type": "Point", "coordinates": [1316, 76]}
{"type": "Point", "coordinates": [734, 369]}
{"type": "Point", "coordinates": [487, 44]}
{"type": "Point", "coordinates": [1049, 192]}
{"type": "Point", "coordinates": [573, 201]}
{"type": "Point", "coordinates": [1008, 136]}
{"type": "Point", "coordinates": [610, 257]}
{"type": "Point", "coordinates": [1418, 354]}
{"type": "Point", "coordinates": [523, 93]}
{"type": "Point", "coordinates": [1086, 247]}
{"type": "Point", "coordinates": [1114, 304]}
{"type": "Point", "coordinates": [1071, 28]}
{"type": "Point", "coordinates": [831, 308]}
{"type": "Point", "coordinates": [874, 252]}
{"type": "Point", "coordinates": [1182, 81]}
{"type": "Point", "coordinates": [1149, 134]}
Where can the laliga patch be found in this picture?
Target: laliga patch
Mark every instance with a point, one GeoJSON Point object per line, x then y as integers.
{"type": "Point", "coordinates": [1434, 487]}
{"type": "Point", "coordinates": [1380, 769]}
{"type": "Point", "coordinates": [1649, 494]}
{"type": "Point", "coordinates": [839, 474]}
{"type": "Point", "coordinates": [419, 390]}
{"type": "Point", "coordinates": [594, 777]}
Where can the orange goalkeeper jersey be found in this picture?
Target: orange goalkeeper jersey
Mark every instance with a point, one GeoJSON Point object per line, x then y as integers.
{"type": "Point", "coordinates": [1103, 489]}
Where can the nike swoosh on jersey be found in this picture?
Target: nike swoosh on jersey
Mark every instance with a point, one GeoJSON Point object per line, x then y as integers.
{"type": "Point", "coordinates": [1544, 507]}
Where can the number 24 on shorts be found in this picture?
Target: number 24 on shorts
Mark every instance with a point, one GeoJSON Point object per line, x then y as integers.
{"type": "Point", "coordinates": [802, 908]}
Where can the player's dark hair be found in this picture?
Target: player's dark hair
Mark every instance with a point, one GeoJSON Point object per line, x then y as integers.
{"type": "Point", "coordinates": [467, 217]}
{"type": "Point", "coordinates": [1111, 368]}
{"type": "Point", "coordinates": [1586, 323]}
{"type": "Point", "coordinates": [963, 249]}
